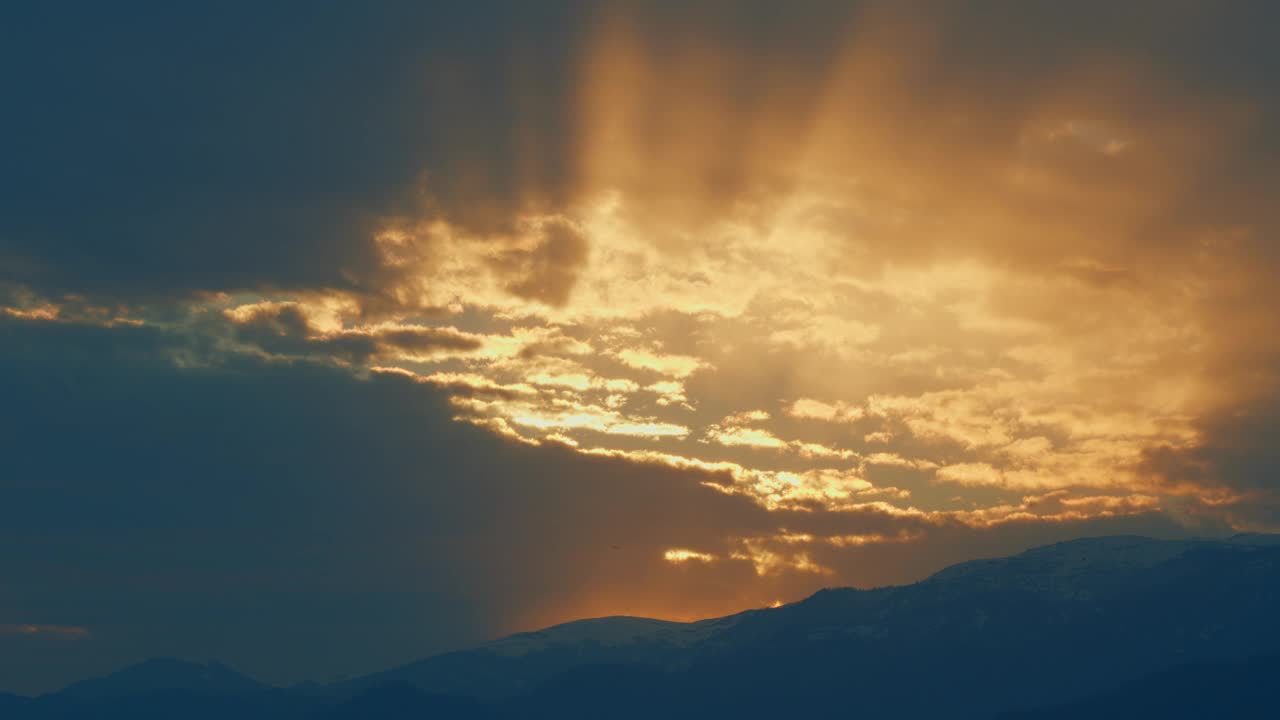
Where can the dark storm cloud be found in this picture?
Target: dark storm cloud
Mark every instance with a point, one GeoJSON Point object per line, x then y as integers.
{"type": "Point", "coordinates": [155, 149]}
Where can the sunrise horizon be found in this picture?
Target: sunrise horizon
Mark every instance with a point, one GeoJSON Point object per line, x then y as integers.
{"type": "Point", "coordinates": [339, 337]}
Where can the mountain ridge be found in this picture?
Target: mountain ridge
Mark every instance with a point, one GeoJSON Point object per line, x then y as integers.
{"type": "Point", "coordinates": [164, 674]}
{"type": "Point", "coordinates": [1050, 625]}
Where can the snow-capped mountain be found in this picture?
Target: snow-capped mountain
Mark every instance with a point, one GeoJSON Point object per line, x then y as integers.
{"type": "Point", "coordinates": [1046, 625]}
{"type": "Point", "coordinates": [1049, 627]}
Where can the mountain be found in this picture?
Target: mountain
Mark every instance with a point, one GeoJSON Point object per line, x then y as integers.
{"type": "Point", "coordinates": [517, 663]}
{"type": "Point", "coordinates": [164, 674]}
{"type": "Point", "coordinates": [401, 701]}
{"type": "Point", "coordinates": [1198, 690]}
{"type": "Point", "coordinates": [1046, 626]}
{"type": "Point", "coordinates": [12, 703]}
{"type": "Point", "coordinates": [1071, 629]}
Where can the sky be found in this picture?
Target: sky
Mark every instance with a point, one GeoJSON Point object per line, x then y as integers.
{"type": "Point", "coordinates": [333, 335]}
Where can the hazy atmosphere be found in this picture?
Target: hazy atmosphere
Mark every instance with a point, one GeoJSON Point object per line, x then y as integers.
{"type": "Point", "coordinates": [333, 335]}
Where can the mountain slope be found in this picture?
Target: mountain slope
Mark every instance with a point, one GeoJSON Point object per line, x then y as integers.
{"type": "Point", "coordinates": [164, 674]}
{"type": "Point", "coordinates": [1242, 689]}
{"type": "Point", "coordinates": [1045, 626]}
{"type": "Point", "coordinates": [1048, 628]}
{"type": "Point", "coordinates": [1051, 624]}
{"type": "Point", "coordinates": [517, 663]}
{"type": "Point", "coordinates": [403, 701]}
{"type": "Point", "coordinates": [12, 703]}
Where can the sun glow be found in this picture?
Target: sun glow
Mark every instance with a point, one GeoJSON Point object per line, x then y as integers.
{"type": "Point", "coordinates": [680, 556]}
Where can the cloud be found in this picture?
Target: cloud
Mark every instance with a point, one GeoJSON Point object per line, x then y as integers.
{"type": "Point", "coordinates": [677, 366]}
{"type": "Point", "coordinates": [547, 270]}
{"type": "Point", "coordinates": [295, 329]}
{"type": "Point", "coordinates": [681, 555]}
{"type": "Point", "coordinates": [60, 632]}
{"type": "Point", "coordinates": [268, 167]}
{"type": "Point", "coordinates": [220, 504]}
{"type": "Point", "coordinates": [1232, 471]}
{"type": "Point", "coordinates": [810, 409]}
{"type": "Point", "coordinates": [879, 264]}
{"type": "Point", "coordinates": [749, 437]}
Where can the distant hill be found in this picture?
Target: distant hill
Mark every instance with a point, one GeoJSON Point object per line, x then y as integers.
{"type": "Point", "coordinates": [1056, 627]}
{"type": "Point", "coordinates": [518, 663]}
{"type": "Point", "coordinates": [160, 674]}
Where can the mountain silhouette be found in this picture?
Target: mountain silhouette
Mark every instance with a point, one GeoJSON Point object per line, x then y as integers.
{"type": "Point", "coordinates": [402, 701]}
{"type": "Point", "coordinates": [1197, 690]}
{"type": "Point", "coordinates": [517, 663]}
{"type": "Point", "coordinates": [1113, 620]}
{"type": "Point", "coordinates": [1042, 627]}
{"type": "Point", "coordinates": [159, 674]}
{"type": "Point", "coordinates": [11, 704]}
